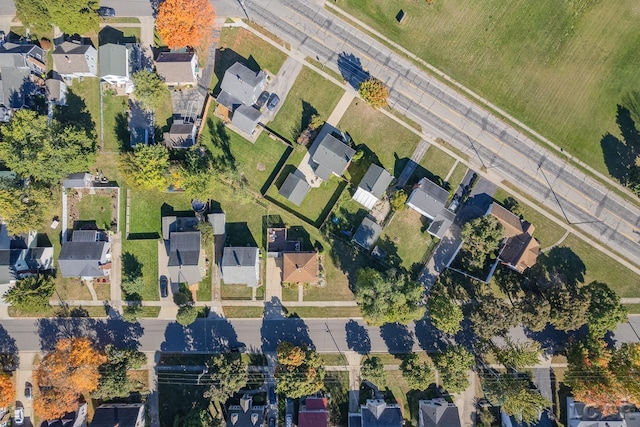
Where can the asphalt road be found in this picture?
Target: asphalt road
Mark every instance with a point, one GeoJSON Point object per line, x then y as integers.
{"type": "Point", "coordinates": [489, 142]}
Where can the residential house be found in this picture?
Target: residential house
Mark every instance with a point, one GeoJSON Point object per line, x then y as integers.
{"type": "Point", "coordinates": [239, 91]}
{"type": "Point", "coordinates": [21, 256]}
{"type": "Point", "coordinates": [367, 233]}
{"type": "Point", "coordinates": [182, 241]}
{"type": "Point", "coordinates": [438, 413]}
{"type": "Point", "coordinates": [246, 414]}
{"type": "Point", "coordinates": [78, 180]}
{"type": "Point", "coordinates": [119, 415]}
{"type": "Point", "coordinates": [295, 188]}
{"type": "Point", "coordinates": [178, 68]}
{"type": "Point", "coordinates": [519, 250]}
{"type": "Point", "coordinates": [377, 413]}
{"type": "Point", "coordinates": [29, 56]}
{"type": "Point", "coordinates": [73, 59]}
{"type": "Point", "coordinates": [87, 255]}
{"type": "Point", "coordinates": [278, 241]}
{"type": "Point", "coordinates": [16, 86]}
{"type": "Point", "coordinates": [331, 156]}
{"type": "Point", "coordinates": [581, 415]}
{"type": "Point", "coordinates": [241, 266]}
{"type": "Point", "coordinates": [543, 421]}
{"type": "Point", "coordinates": [117, 64]}
{"type": "Point", "coordinates": [181, 135]}
{"type": "Point", "coordinates": [71, 419]}
{"type": "Point", "coordinates": [372, 186]}
{"type": "Point", "coordinates": [300, 267]}
{"type": "Point", "coordinates": [430, 200]}
{"type": "Point", "coordinates": [313, 412]}
{"type": "Point", "coordinates": [218, 221]}
{"type": "Point", "coordinates": [56, 91]}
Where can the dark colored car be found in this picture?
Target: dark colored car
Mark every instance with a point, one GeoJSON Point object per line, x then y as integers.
{"type": "Point", "coordinates": [273, 101]}
{"type": "Point", "coordinates": [239, 348]}
{"type": "Point", "coordinates": [272, 395]}
{"type": "Point", "coordinates": [28, 391]}
{"type": "Point", "coordinates": [106, 11]}
{"type": "Point", "coordinates": [272, 422]}
{"type": "Point", "coordinates": [262, 99]}
{"type": "Point", "coordinates": [164, 286]}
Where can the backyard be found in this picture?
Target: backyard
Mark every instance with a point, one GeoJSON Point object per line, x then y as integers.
{"type": "Point", "coordinates": [529, 58]}
{"type": "Point", "coordinates": [96, 208]}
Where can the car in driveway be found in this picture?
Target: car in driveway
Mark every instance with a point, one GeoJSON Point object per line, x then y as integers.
{"type": "Point", "coordinates": [273, 102]}
{"type": "Point", "coordinates": [105, 11]}
{"type": "Point", "coordinates": [28, 391]}
{"type": "Point", "coordinates": [164, 286]}
{"type": "Point", "coordinates": [272, 395]}
{"type": "Point", "coordinates": [18, 416]}
{"type": "Point", "coordinates": [264, 96]}
{"type": "Point", "coordinates": [272, 422]}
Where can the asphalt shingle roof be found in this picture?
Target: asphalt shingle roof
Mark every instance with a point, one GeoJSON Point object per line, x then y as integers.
{"type": "Point", "coordinates": [241, 84]}
{"type": "Point", "coordinates": [332, 156]}
{"type": "Point", "coordinates": [113, 60]}
{"type": "Point", "coordinates": [240, 266]}
{"type": "Point", "coordinates": [295, 189]}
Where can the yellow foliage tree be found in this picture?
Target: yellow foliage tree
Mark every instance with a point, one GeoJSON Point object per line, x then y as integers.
{"type": "Point", "coordinates": [374, 92]}
{"type": "Point", "coordinates": [183, 23]}
{"type": "Point", "coordinates": [7, 391]}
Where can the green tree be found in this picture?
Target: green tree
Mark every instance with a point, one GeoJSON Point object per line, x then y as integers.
{"type": "Point", "coordinates": [149, 89]}
{"type": "Point", "coordinates": [228, 375]}
{"type": "Point", "coordinates": [516, 397]}
{"type": "Point", "coordinates": [316, 122]}
{"type": "Point", "coordinates": [633, 180]}
{"type": "Point", "coordinates": [187, 314]}
{"type": "Point", "coordinates": [146, 167]}
{"type": "Point", "coordinates": [605, 311]}
{"type": "Point", "coordinates": [132, 311]}
{"type": "Point", "coordinates": [535, 311]}
{"type": "Point", "coordinates": [372, 369]}
{"type": "Point", "coordinates": [388, 297]}
{"type": "Point", "coordinates": [133, 286]}
{"type": "Point", "coordinates": [482, 237]}
{"type": "Point", "coordinates": [492, 317]}
{"type": "Point", "coordinates": [22, 207]}
{"type": "Point", "coordinates": [114, 381]}
{"type": "Point", "coordinates": [71, 16]}
{"type": "Point", "coordinates": [513, 206]}
{"type": "Point", "coordinates": [516, 355]}
{"type": "Point", "coordinates": [374, 92]}
{"type": "Point", "coordinates": [418, 374]}
{"type": "Point", "coordinates": [568, 307]}
{"type": "Point", "coordinates": [197, 418]}
{"type": "Point", "coordinates": [444, 313]}
{"type": "Point", "coordinates": [399, 200]}
{"type": "Point", "coordinates": [453, 365]}
{"type": "Point", "coordinates": [299, 372]}
{"type": "Point", "coordinates": [47, 152]}
{"type": "Point", "coordinates": [31, 294]}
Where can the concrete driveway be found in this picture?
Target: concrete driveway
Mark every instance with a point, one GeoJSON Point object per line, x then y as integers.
{"type": "Point", "coordinates": [281, 85]}
{"type": "Point", "coordinates": [274, 279]}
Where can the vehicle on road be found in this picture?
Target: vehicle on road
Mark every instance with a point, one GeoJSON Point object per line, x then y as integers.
{"type": "Point", "coordinates": [164, 286]}
{"type": "Point", "coordinates": [238, 348]}
{"type": "Point", "coordinates": [273, 101]}
{"type": "Point", "coordinates": [105, 11]}
{"type": "Point", "coordinates": [288, 420]}
{"type": "Point", "coordinates": [272, 422]}
{"type": "Point", "coordinates": [28, 391]}
{"type": "Point", "coordinates": [264, 96]}
{"type": "Point", "coordinates": [18, 416]}
{"type": "Point", "coordinates": [272, 395]}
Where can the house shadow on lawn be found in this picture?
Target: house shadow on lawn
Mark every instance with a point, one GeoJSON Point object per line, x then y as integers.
{"type": "Point", "coordinates": [225, 58]}
{"type": "Point", "coordinates": [112, 35]}
{"type": "Point", "coordinates": [239, 234]}
{"type": "Point", "coordinates": [358, 168]}
{"type": "Point", "coordinates": [620, 154]}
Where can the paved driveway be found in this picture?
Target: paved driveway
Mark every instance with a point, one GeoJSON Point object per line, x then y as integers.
{"type": "Point", "coordinates": [281, 85]}
{"type": "Point", "coordinates": [274, 279]}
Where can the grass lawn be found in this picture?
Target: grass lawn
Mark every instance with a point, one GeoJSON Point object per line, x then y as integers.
{"type": "Point", "coordinates": [120, 35]}
{"type": "Point", "coordinates": [457, 176]}
{"type": "Point", "coordinates": [69, 288]}
{"type": "Point", "coordinates": [242, 312]}
{"type": "Point", "coordinates": [325, 312]}
{"type": "Point", "coordinates": [242, 292]}
{"type": "Point", "coordinates": [150, 311]}
{"type": "Point", "coordinates": [528, 57]}
{"type": "Point", "coordinates": [632, 308]}
{"type": "Point", "coordinates": [116, 130]}
{"type": "Point", "coordinates": [311, 94]}
{"type": "Point", "coordinates": [339, 266]}
{"type": "Point", "coordinates": [547, 232]}
{"type": "Point", "coordinates": [93, 207]}
{"type": "Point", "coordinates": [605, 269]}
{"type": "Point", "coordinates": [57, 311]}
{"type": "Point", "coordinates": [146, 253]}
{"type": "Point", "coordinates": [121, 20]}
{"type": "Point", "coordinates": [333, 359]}
{"type": "Point", "coordinates": [403, 238]}
{"type": "Point", "coordinates": [258, 162]}
{"type": "Point", "coordinates": [83, 104]}
{"type": "Point", "coordinates": [177, 398]}
{"type": "Point", "coordinates": [337, 384]}
{"type": "Point", "coordinates": [103, 291]}
{"type": "Point", "coordinates": [389, 141]}
{"type": "Point", "coordinates": [329, 71]}
{"type": "Point", "coordinates": [290, 294]}
{"type": "Point", "coordinates": [437, 162]}
{"type": "Point", "coordinates": [164, 115]}
{"type": "Point", "coordinates": [148, 207]}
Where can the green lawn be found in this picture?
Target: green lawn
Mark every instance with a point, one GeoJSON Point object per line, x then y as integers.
{"type": "Point", "coordinates": [436, 162]}
{"type": "Point", "coordinates": [290, 293]}
{"type": "Point", "coordinates": [146, 253]}
{"type": "Point", "coordinates": [391, 143]}
{"type": "Point", "coordinates": [242, 312]}
{"type": "Point", "coordinates": [83, 105]}
{"type": "Point", "coordinates": [235, 291]}
{"type": "Point", "coordinates": [116, 130]}
{"type": "Point", "coordinates": [103, 291]}
{"type": "Point", "coordinates": [324, 312]}
{"type": "Point", "coordinates": [93, 207]}
{"type": "Point", "coordinates": [457, 176]}
{"type": "Point", "coordinates": [559, 67]}
{"type": "Point", "coordinates": [70, 288]}
{"type": "Point", "coordinates": [403, 238]}
{"type": "Point", "coordinates": [311, 94]}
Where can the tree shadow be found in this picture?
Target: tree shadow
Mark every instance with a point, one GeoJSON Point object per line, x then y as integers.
{"type": "Point", "coordinates": [391, 256]}
{"type": "Point", "coordinates": [121, 129]}
{"type": "Point", "coordinates": [131, 266]}
{"type": "Point", "coordinates": [109, 34]}
{"type": "Point", "coordinates": [209, 335]}
{"type": "Point", "coordinates": [351, 69]}
{"type": "Point", "coordinates": [76, 113]}
{"type": "Point", "coordinates": [239, 234]}
{"type": "Point", "coordinates": [429, 337]}
{"type": "Point", "coordinates": [397, 337]}
{"type": "Point", "coordinates": [308, 111]}
{"type": "Point", "coordinates": [8, 351]}
{"type": "Point", "coordinates": [276, 328]}
{"type": "Point", "coordinates": [559, 265]}
{"type": "Point", "coordinates": [358, 337]}
{"type": "Point", "coordinates": [358, 168]}
{"type": "Point", "coordinates": [620, 154]}
{"type": "Point", "coordinates": [224, 159]}
{"type": "Point", "coordinates": [349, 259]}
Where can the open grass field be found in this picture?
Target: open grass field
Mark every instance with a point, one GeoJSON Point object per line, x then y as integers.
{"type": "Point", "coordinates": [389, 141]}
{"type": "Point", "coordinates": [403, 238]}
{"type": "Point", "coordinates": [116, 132]}
{"type": "Point", "coordinates": [146, 253]}
{"type": "Point", "coordinates": [93, 207]}
{"type": "Point", "coordinates": [437, 162]}
{"type": "Point", "coordinates": [242, 312]}
{"type": "Point", "coordinates": [561, 68]}
{"type": "Point", "coordinates": [235, 292]}
{"type": "Point", "coordinates": [325, 312]}
{"type": "Point", "coordinates": [311, 94]}
{"type": "Point", "coordinates": [457, 176]}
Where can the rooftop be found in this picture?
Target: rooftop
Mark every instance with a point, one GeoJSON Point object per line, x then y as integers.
{"type": "Point", "coordinates": [294, 188]}
{"type": "Point", "coordinates": [430, 200]}
{"type": "Point", "coordinates": [367, 233]}
{"type": "Point", "coordinates": [300, 267]}
{"type": "Point", "coordinates": [240, 85]}
{"type": "Point", "coordinates": [331, 156]}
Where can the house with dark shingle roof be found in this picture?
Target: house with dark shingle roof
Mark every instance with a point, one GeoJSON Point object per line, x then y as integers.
{"type": "Point", "coordinates": [16, 86]}
{"type": "Point", "coordinates": [367, 233]}
{"type": "Point", "coordinates": [377, 413]}
{"type": "Point", "coordinates": [246, 118]}
{"type": "Point", "coordinates": [246, 413]}
{"type": "Point", "coordinates": [117, 64]}
{"type": "Point", "coordinates": [119, 414]}
{"type": "Point", "coordinates": [23, 56]}
{"type": "Point", "coordinates": [56, 91]}
{"type": "Point", "coordinates": [178, 68]}
{"type": "Point", "coordinates": [372, 186]}
{"type": "Point", "coordinates": [21, 256]}
{"type": "Point", "coordinates": [430, 200]}
{"type": "Point", "coordinates": [241, 266]}
{"type": "Point", "coordinates": [183, 249]}
{"type": "Point", "coordinates": [87, 255]}
{"type": "Point", "coordinates": [294, 188]}
{"type": "Point", "coordinates": [72, 59]}
{"type": "Point", "coordinates": [181, 135]}
{"type": "Point", "coordinates": [519, 250]}
{"type": "Point", "coordinates": [438, 413]}
{"type": "Point", "coordinates": [313, 412]}
{"type": "Point", "coordinates": [331, 157]}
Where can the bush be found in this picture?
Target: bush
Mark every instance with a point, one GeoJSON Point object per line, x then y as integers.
{"type": "Point", "coordinates": [187, 314]}
{"type": "Point", "coordinates": [399, 200]}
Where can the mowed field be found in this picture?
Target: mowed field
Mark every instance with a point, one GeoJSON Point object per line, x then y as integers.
{"type": "Point", "coordinates": [559, 66]}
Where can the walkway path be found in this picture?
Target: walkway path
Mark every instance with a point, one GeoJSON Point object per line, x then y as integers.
{"type": "Point", "coordinates": [342, 106]}
{"type": "Point", "coordinates": [564, 236]}
{"type": "Point", "coordinates": [417, 155]}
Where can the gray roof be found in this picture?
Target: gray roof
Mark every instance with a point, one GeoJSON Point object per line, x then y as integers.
{"type": "Point", "coordinates": [240, 85]}
{"type": "Point", "coordinates": [376, 181]}
{"type": "Point", "coordinates": [84, 236]}
{"type": "Point", "coordinates": [367, 233]}
{"type": "Point", "coordinates": [175, 67]}
{"type": "Point", "coordinates": [246, 118]}
{"type": "Point", "coordinates": [15, 55]}
{"type": "Point", "coordinates": [169, 224]}
{"type": "Point", "coordinates": [218, 222]}
{"type": "Point", "coordinates": [121, 414]}
{"type": "Point", "coordinates": [332, 156]}
{"type": "Point", "coordinates": [113, 60]}
{"type": "Point", "coordinates": [438, 413]}
{"type": "Point", "coordinates": [429, 199]}
{"type": "Point", "coordinates": [83, 259]}
{"type": "Point", "coordinates": [69, 58]}
{"type": "Point", "coordinates": [77, 180]}
{"type": "Point", "coordinates": [294, 188]}
{"type": "Point", "coordinates": [240, 266]}
{"type": "Point", "coordinates": [56, 91]}
{"type": "Point", "coordinates": [180, 135]}
{"type": "Point", "coordinates": [16, 86]}
{"type": "Point", "coordinates": [246, 414]}
{"type": "Point", "coordinates": [377, 413]}
{"type": "Point", "coordinates": [184, 248]}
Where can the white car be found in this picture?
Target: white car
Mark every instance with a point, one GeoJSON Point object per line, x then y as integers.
{"type": "Point", "coordinates": [18, 416]}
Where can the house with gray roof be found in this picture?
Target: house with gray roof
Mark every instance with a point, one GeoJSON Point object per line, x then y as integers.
{"type": "Point", "coordinates": [241, 86]}
{"type": "Point", "coordinates": [246, 413]}
{"type": "Point", "coordinates": [438, 413]}
{"type": "Point", "coordinates": [87, 255]}
{"type": "Point", "coordinates": [56, 91]}
{"type": "Point", "coordinates": [377, 413]}
{"type": "Point", "coordinates": [182, 241]}
{"type": "Point", "coordinates": [241, 266]}
{"type": "Point", "coordinates": [23, 56]}
{"type": "Point", "coordinates": [21, 256]}
{"type": "Point", "coordinates": [367, 233]}
{"type": "Point", "coordinates": [72, 59]}
{"type": "Point", "coordinates": [16, 86]}
{"type": "Point", "coordinates": [78, 180]}
{"type": "Point", "coordinates": [246, 118]}
{"type": "Point", "coordinates": [581, 415]}
{"type": "Point", "coordinates": [218, 221]}
{"type": "Point", "coordinates": [430, 200]}
{"type": "Point", "coordinates": [181, 135]}
{"type": "Point", "coordinates": [372, 186]}
{"type": "Point", "coordinates": [331, 156]}
{"type": "Point", "coordinates": [295, 188]}
{"type": "Point", "coordinates": [117, 64]}
{"type": "Point", "coordinates": [178, 68]}
{"type": "Point", "coordinates": [119, 414]}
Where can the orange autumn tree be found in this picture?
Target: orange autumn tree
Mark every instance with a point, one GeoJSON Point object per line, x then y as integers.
{"type": "Point", "coordinates": [183, 23]}
{"type": "Point", "coordinates": [7, 391]}
{"type": "Point", "coordinates": [66, 374]}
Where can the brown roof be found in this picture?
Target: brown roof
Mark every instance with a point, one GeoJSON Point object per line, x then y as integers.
{"type": "Point", "coordinates": [511, 223]}
{"type": "Point", "coordinates": [520, 251]}
{"type": "Point", "coordinates": [300, 267]}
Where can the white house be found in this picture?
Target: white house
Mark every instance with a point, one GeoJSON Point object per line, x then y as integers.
{"type": "Point", "coordinates": [116, 65]}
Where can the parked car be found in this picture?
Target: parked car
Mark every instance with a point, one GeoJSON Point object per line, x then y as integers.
{"type": "Point", "coordinates": [164, 286]}
{"type": "Point", "coordinates": [28, 391]}
{"type": "Point", "coordinates": [273, 101]}
{"type": "Point", "coordinates": [18, 416]}
{"type": "Point", "coordinates": [272, 395]}
{"type": "Point", "coordinates": [272, 422]}
{"type": "Point", "coordinates": [262, 99]}
{"type": "Point", "coordinates": [239, 348]}
{"type": "Point", "coordinates": [288, 420]}
{"type": "Point", "coordinates": [105, 11]}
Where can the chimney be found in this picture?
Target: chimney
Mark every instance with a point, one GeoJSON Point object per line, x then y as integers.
{"type": "Point", "coordinates": [254, 418]}
{"type": "Point", "coordinates": [234, 418]}
{"type": "Point", "coordinates": [245, 403]}
{"type": "Point", "coordinates": [377, 407]}
{"type": "Point", "coordinates": [67, 58]}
